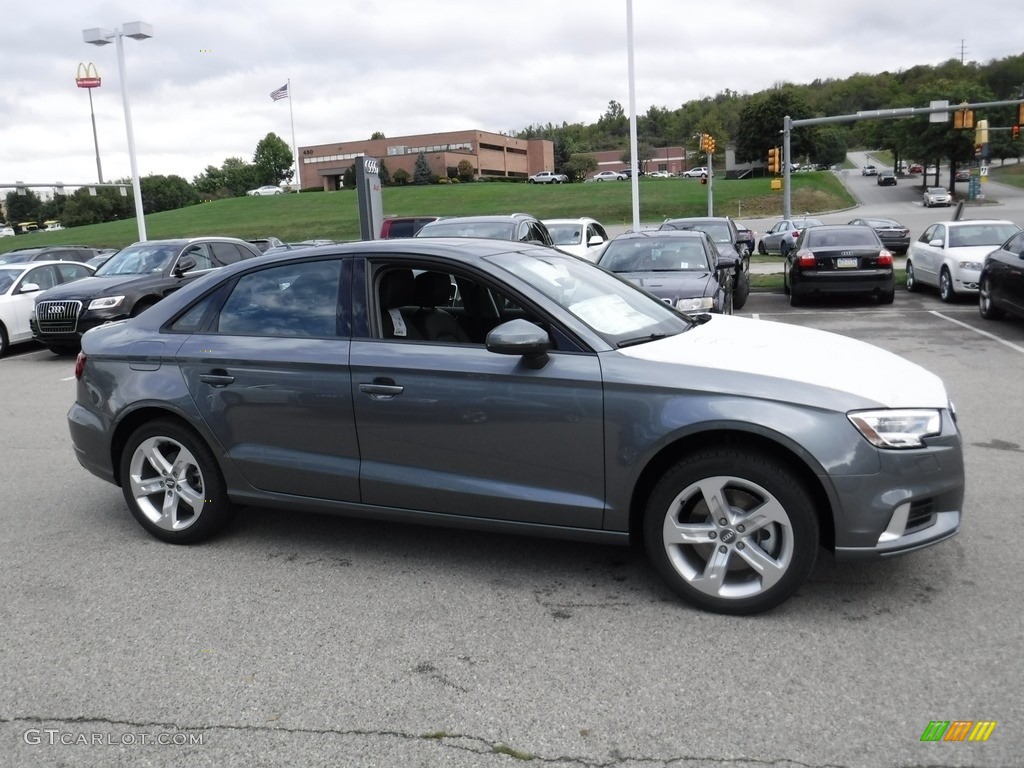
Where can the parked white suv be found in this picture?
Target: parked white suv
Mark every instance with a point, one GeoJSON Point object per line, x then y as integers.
{"type": "Point", "coordinates": [6, 231]}
{"type": "Point", "coordinates": [695, 172]}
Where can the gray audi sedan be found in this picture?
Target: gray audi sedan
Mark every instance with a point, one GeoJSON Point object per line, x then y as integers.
{"type": "Point", "coordinates": [512, 388]}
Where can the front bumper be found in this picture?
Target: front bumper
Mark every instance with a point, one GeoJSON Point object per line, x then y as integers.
{"type": "Point", "coordinates": [69, 332]}
{"type": "Point", "coordinates": [915, 501]}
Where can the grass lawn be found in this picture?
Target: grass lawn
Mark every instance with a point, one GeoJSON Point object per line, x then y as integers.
{"type": "Point", "coordinates": [334, 215]}
{"type": "Point", "coordinates": [1012, 173]}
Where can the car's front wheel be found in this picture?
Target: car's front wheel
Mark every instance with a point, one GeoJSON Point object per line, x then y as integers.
{"type": "Point", "coordinates": [761, 249]}
{"type": "Point", "coordinates": [911, 280]}
{"type": "Point", "coordinates": [986, 306]}
{"type": "Point", "coordinates": [4, 340]}
{"type": "Point", "coordinates": [946, 291]}
{"type": "Point", "coordinates": [172, 483]}
{"type": "Point", "coordinates": [731, 530]}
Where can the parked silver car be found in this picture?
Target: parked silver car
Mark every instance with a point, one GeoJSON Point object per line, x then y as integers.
{"type": "Point", "coordinates": [509, 387]}
{"type": "Point", "coordinates": [783, 234]}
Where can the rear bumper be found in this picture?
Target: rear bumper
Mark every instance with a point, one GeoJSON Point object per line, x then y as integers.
{"type": "Point", "coordinates": [843, 282]}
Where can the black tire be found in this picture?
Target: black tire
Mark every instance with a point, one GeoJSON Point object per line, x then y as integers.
{"type": "Point", "coordinates": [746, 481]}
{"type": "Point", "coordinates": [986, 307]}
{"type": "Point", "coordinates": [761, 249]}
{"type": "Point", "coordinates": [795, 299]}
{"type": "Point", "coordinates": [946, 291]}
{"type": "Point", "coordinates": [783, 250]}
{"type": "Point", "coordinates": [5, 341]}
{"type": "Point", "coordinates": [188, 479]}
{"type": "Point", "coordinates": [741, 290]}
{"type": "Point", "coordinates": [911, 280]}
{"type": "Point", "coordinates": [888, 297]}
{"type": "Point", "coordinates": [141, 306]}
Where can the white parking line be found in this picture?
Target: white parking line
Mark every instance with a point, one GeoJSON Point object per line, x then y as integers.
{"type": "Point", "coordinates": [992, 336]}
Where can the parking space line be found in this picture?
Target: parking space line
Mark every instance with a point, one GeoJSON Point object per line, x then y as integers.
{"type": "Point", "coordinates": [992, 336]}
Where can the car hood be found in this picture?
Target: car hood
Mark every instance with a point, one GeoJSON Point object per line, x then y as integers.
{"type": "Point", "coordinates": [673, 285]}
{"type": "Point", "coordinates": [809, 356]}
{"type": "Point", "coordinates": [971, 252]}
{"type": "Point", "coordinates": [94, 287]}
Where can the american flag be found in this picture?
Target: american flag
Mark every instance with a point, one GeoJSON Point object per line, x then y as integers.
{"type": "Point", "coordinates": [280, 93]}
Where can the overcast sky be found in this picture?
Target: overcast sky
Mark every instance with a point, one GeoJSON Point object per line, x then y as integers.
{"type": "Point", "coordinates": [200, 87]}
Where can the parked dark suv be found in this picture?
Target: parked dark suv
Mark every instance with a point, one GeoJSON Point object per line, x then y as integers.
{"type": "Point", "coordinates": [80, 253]}
{"type": "Point", "coordinates": [134, 279]}
{"type": "Point", "coordinates": [725, 233]}
{"type": "Point", "coordinates": [520, 227]}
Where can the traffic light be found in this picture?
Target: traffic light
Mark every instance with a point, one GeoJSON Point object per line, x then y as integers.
{"type": "Point", "coordinates": [1015, 132]}
{"type": "Point", "coordinates": [704, 142]}
{"type": "Point", "coordinates": [963, 119]}
{"type": "Point", "coordinates": [703, 179]}
{"type": "Point", "coordinates": [1020, 114]}
{"type": "Point", "coordinates": [709, 145]}
{"type": "Point", "coordinates": [774, 160]}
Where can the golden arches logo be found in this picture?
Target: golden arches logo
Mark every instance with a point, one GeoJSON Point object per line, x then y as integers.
{"type": "Point", "coordinates": [87, 76]}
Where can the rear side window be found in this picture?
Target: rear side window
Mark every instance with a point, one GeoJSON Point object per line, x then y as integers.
{"type": "Point", "coordinates": [288, 300]}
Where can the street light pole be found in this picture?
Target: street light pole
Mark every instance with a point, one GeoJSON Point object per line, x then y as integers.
{"type": "Point", "coordinates": [140, 31]}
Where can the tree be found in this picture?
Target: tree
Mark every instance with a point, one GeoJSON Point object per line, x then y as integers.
{"type": "Point", "coordinates": [25, 207]}
{"type": "Point", "coordinates": [761, 121]}
{"type": "Point", "coordinates": [829, 146]}
{"type": "Point", "coordinates": [401, 177]}
{"type": "Point", "coordinates": [421, 172]}
{"type": "Point", "coordinates": [273, 161]}
{"type": "Point", "coordinates": [165, 193]}
{"type": "Point", "coordinates": [580, 166]}
{"type": "Point", "coordinates": [384, 174]}
{"type": "Point", "coordinates": [377, 135]}
{"type": "Point", "coordinates": [466, 171]}
{"type": "Point", "coordinates": [348, 179]}
{"type": "Point", "coordinates": [108, 204]}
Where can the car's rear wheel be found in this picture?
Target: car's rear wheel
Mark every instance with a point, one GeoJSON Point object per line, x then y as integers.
{"type": "Point", "coordinates": [986, 307]}
{"type": "Point", "coordinates": [761, 249]}
{"type": "Point", "coordinates": [946, 291]}
{"type": "Point", "coordinates": [887, 297]}
{"type": "Point", "coordinates": [5, 341]}
{"type": "Point", "coordinates": [911, 280]}
{"type": "Point", "coordinates": [172, 483]}
{"type": "Point", "coordinates": [731, 530]}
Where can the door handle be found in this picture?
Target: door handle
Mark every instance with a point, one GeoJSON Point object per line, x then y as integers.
{"type": "Point", "coordinates": [381, 389]}
{"type": "Point", "coordinates": [217, 378]}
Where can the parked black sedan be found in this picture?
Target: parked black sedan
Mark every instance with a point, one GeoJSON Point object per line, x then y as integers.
{"type": "Point", "coordinates": [1001, 285]}
{"type": "Point", "coordinates": [894, 235]}
{"type": "Point", "coordinates": [133, 280]}
{"type": "Point", "coordinates": [725, 234]}
{"type": "Point", "coordinates": [839, 259]}
{"type": "Point", "coordinates": [683, 269]}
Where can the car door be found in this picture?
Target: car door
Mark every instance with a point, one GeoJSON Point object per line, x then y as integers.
{"type": "Point", "coordinates": [928, 258]}
{"type": "Point", "coordinates": [267, 366]}
{"type": "Point", "coordinates": [453, 429]}
{"type": "Point", "coordinates": [22, 303]}
{"type": "Point", "coordinates": [1008, 285]}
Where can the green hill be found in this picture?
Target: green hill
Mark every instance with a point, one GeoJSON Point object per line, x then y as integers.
{"type": "Point", "coordinates": [334, 215]}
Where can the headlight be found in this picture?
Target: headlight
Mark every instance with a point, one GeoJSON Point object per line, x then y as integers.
{"type": "Point", "coordinates": [975, 265]}
{"type": "Point", "coordinates": [897, 428]}
{"type": "Point", "coordinates": [107, 302]}
{"type": "Point", "coordinates": [689, 305]}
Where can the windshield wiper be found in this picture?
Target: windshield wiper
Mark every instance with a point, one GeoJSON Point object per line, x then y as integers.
{"type": "Point", "coordinates": [641, 340]}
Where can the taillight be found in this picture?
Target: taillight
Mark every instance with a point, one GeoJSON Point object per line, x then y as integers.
{"type": "Point", "coordinates": [796, 233]}
{"type": "Point", "coordinates": [806, 259]}
{"type": "Point", "coordinates": [80, 365]}
{"type": "Point", "coordinates": [884, 258]}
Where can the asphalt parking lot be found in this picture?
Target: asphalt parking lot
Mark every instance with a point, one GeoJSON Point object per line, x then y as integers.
{"type": "Point", "coordinates": [307, 640]}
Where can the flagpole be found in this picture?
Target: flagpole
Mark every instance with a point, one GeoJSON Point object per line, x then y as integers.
{"type": "Point", "coordinates": [295, 150]}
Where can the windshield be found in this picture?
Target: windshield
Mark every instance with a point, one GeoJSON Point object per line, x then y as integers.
{"type": "Point", "coordinates": [494, 230]}
{"type": "Point", "coordinates": [651, 254]}
{"type": "Point", "coordinates": [566, 234]}
{"type": "Point", "coordinates": [981, 234]}
{"type": "Point", "coordinates": [937, 191]}
{"type": "Point", "coordinates": [16, 257]}
{"type": "Point", "coordinates": [614, 308]}
{"type": "Point", "coordinates": [140, 259]}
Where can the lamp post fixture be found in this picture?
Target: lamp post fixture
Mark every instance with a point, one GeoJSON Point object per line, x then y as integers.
{"type": "Point", "coordinates": [139, 30]}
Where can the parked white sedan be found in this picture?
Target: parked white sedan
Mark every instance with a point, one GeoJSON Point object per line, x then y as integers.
{"type": "Point", "coordinates": [949, 254]}
{"type": "Point", "coordinates": [583, 237]}
{"type": "Point", "coordinates": [267, 189]}
{"type": "Point", "coordinates": [20, 284]}
{"type": "Point", "coordinates": [608, 176]}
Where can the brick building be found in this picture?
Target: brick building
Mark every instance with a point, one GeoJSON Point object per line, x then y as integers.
{"type": "Point", "coordinates": [492, 155]}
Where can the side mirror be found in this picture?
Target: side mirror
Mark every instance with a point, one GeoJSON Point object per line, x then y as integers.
{"type": "Point", "coordinates": [595, 240]}
{"type": "Point", "coordinates": [29, 288]}
{"type": "Point", "coordinates": [521, 337]}
{"type": "Point", "coordinates": [936, 243]}
{"type": "Point", "coordinates": [185, 263]}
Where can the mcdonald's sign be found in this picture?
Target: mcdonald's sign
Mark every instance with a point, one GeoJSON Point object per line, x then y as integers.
{"type": "Point", "coordinates": [87, 76]}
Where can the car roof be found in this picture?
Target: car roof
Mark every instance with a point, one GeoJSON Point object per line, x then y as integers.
{"type": "Point", "coordinates": [579, 220]}
{"type": "Point", "coordinates": [963, 222]}
{"type": "Point", "coordinates": [494, 217]}
{"type": "Point", "coordinates": [26, 265]}
{"type": "Point", "coordinates": [696, 219]}
{"type": "Point", "coordinates": [662, 233]}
